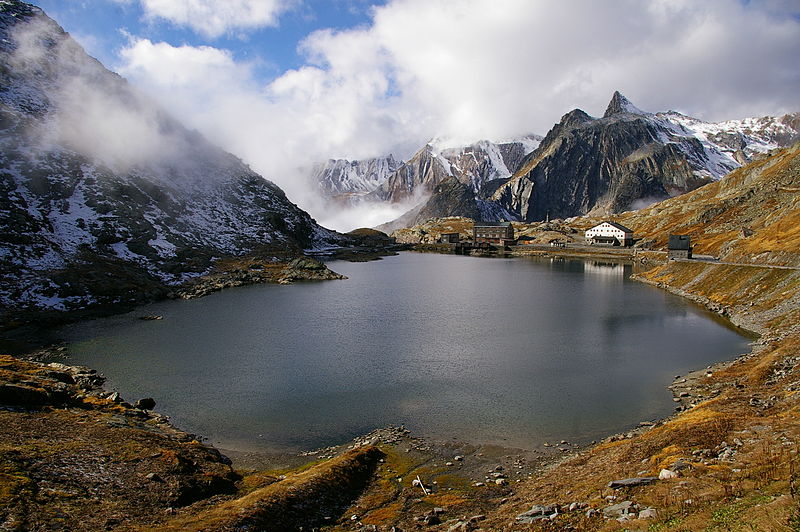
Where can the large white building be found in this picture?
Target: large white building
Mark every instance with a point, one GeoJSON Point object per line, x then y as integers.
{"type": "Point", "coordinates": [610, 234]}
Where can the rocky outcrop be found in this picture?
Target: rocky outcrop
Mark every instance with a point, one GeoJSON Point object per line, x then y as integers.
{"type": "Point", "coordinates": [75, 454]}
{"type": "Point", "coordinates": [307, 269]}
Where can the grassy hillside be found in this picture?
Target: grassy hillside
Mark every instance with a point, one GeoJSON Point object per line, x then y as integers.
{"type": "Point", "coordinates": [752, 215]}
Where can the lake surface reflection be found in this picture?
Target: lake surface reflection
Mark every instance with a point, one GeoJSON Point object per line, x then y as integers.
{"type": "Point", "coordinates": [509, 351]}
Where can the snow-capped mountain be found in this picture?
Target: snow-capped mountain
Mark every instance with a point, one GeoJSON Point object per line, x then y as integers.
{"type": "Point", "coordinates": [629, 156]}
{"type": "Point", "coordinates": [103, 196]}
{"type": "Point", "coordinates": [626, 159]}
{"type": "Point", "coordinates": [386, 179]}
{"type": "Point", "coordinates": [337, 177]}
{"type": "Point", "coordinates": [739, 141]}
{"type": "Point", "coordinates": [474, 165]}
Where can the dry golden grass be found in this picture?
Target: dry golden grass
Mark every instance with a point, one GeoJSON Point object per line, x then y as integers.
{"type": "Point", "coordinates": [308, 497]}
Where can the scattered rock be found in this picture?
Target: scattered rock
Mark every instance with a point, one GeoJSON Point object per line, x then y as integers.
{"type": "Point", "coordinates": [622, 509]}
{"type": "Point", "coordinates": [630, 482]}
{"type": "Point", "coordinates": [665, 474]}
{"type": "Point", "coordinates": [648, 513]}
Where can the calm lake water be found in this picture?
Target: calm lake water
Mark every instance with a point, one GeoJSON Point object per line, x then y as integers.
{"type": "Point", "coordinates": [509, 351]}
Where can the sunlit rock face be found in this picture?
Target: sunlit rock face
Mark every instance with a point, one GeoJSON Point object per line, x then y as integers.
{"type": "Point", "coordinates": [104, 197]}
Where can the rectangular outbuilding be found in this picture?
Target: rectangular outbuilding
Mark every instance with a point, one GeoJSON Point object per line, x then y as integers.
{"type": "Point", "coordinates": [679, 247]}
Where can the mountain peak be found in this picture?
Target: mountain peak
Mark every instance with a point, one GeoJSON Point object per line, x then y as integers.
{"type": "Point", "coordinates": [620, 104]}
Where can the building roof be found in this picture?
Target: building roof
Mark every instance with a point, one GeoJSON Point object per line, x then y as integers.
{"type": "Point", "coordinates": [492, 224]}
{"type": "Point", "coordinates": [615, 224]}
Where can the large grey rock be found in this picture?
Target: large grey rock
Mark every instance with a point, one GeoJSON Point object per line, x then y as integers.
{"type": "Point", "coordinates": [631, 482]}
{"type": "Point", "coordinates": [537, 513]}
{"type": "Point", "coordinates": [621, 509]}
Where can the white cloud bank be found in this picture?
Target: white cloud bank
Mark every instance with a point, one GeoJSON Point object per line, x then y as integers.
{"type": "Point", "coordinates": [471, 69]}
{"type": "Point", "coordinates": [214, 18]}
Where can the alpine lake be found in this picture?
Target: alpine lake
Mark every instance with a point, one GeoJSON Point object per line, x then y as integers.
{"type": "Point", "coordinates": [509, 351]}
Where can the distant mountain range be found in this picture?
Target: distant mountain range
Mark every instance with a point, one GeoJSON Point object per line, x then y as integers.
{"type": "Point", "coordinates": [627, 159]}
{"type": "Point", "coordinates": [105, 198]}
{"type": "Point", "coordinates": [384, 179]}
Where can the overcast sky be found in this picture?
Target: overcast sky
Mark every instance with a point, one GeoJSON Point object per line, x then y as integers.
{"type": "Point", "coordinates": [284, 83]}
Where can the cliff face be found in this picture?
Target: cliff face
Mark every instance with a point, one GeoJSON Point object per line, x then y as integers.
{"type": "Point", "coordinates": [104, 198]}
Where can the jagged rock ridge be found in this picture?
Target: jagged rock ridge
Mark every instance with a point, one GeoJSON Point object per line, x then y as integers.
{"type": "Point", "coordinates": [104, 198]}
{"type": "Point", "coordinates": [342, 178]}
{"type": "Point", "coordinates": [587, 165]}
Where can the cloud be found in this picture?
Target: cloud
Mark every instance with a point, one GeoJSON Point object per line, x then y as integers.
{"type": "Point", "coordinates": [466, 70]}
{"type": "Point", "coordinates": [213, 18]}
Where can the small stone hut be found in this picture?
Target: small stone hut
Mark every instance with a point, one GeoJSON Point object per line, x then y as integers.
{"type": "Point", "coordinates": [679, 247]}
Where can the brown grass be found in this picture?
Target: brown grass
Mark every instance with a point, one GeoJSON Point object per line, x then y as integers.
{"type": "Point", "coordinates": [304, 499]}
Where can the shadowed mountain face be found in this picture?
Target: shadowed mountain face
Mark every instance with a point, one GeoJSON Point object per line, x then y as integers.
{"type": "Point", "coordinates": [615, 163]}
{"type": "Point", "coordinates": [96, 182]}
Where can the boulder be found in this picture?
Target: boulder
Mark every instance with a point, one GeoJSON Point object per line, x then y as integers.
{"type": "Point", "coordinates": [19, 395]}
{"type": "Point", "coordinates": [648, 513]}
{"type": "Point", "coordinates": [667, 474]}
{"type": "Point", "coordinates": [618, 510]}
{"type": "Point", "coordinates": [537, 512]}
{"type": "Point", "coordinates": [147, 403]}
{"type": "Point", "coordinates": [630, 482]}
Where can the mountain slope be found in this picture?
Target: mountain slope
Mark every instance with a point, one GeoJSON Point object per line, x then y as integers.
{"type": "Point", "coordinates": [589, 165]}
{"type": "Point", "coordinates": [749, 216]}
{"type": "Point", "coordinates": [96, 178]}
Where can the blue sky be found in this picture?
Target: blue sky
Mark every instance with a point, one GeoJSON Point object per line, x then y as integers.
{"type": "Point", "coordinates": [103, 28]}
